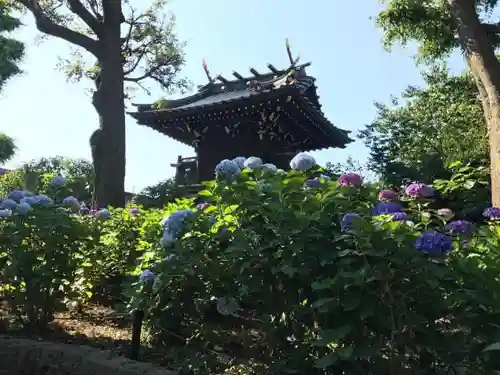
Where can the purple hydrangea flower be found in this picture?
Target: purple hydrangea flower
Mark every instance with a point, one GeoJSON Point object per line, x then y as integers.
{"type": "Point", "coordinates": [351, 179]}
{"type": "Point", "coordinates": [418, 190]}
{"type": "Point", "coordinates": [253, 163]}
{"type": "Point", "coordinates": [302, 162]}
{"type": "Point", "coordinates": [347, 220]}
{"type": "Point", "coordinates": [399, 216]}
{"type": "Point", "coordinates": [433, 243]}
{"type": "Point", "coordinates": [492, 213]}
{"type": "Point", "coordinates": [133, 211]}
{"type": "Point", "coordinates": [388, 195]}
{"type": "Point", "coordinates": [16, 195]}
{"type": "Point", "coordinates": [387, 208]}
{"type": "Point", "coordinates": [459, 227]}
{"type": "Point", "coordinates": [227, 168]}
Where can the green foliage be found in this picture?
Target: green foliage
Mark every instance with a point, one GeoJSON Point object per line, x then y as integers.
{"type": "Point", "coordinates": [427, 129]}
{"type": "Point", "coordinates": [157, 195]}
{"type": "Point", "coordinates": [42, 260]}
{"type": "Point", "coordinates": [429, 23]}
{"type": "Point", "coordinates": [467, 192]}
{"type": "Point", "coordinates": [11, 180]}
{"type": "Point", "coordinates": [11, 51]}
{"type": "Point", "coordinates": [7, 148]}
{"type": "Point", "coordinates": [267, 273]}
{"type": "Point", "coordinates": [79, 172]}
{"type": "Point", "coordinates": [268, 256]}
{"type": "Point", "coordinates": [150, 48]}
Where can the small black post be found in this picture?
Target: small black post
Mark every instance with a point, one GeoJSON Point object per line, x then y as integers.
{"type": "Point", "coordinates": [137, 318]}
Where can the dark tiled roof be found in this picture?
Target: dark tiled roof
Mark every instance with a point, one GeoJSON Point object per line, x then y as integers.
{"type": "Point", "coordinates": [223, 94]}
{"type": "Point", "coordinates": [223, 91]}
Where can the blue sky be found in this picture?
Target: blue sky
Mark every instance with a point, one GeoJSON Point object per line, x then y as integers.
{"type": "Point", "coordinates": [48, 116]}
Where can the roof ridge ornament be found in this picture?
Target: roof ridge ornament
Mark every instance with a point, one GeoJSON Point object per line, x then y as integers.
{"type": "Point", "coordinates": [293, 62]}
{"type": "Point", "coordinates": [207, 72]}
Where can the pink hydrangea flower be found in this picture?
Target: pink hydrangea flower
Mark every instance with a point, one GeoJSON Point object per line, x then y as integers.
{"type": "Point", "coordinates": [445, 213]}
{"type": "Point", "coordinates": [350, 179]}
{"type": "Point", "coordinates": [388, 195]}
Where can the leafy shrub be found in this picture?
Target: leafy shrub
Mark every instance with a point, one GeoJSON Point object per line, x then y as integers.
{"type": "Point", "coordinates": [42, 256]}
{"type": "Point", "coordinates": [309, 275]}
{"type": "Point", "coordinates": [468, 190]}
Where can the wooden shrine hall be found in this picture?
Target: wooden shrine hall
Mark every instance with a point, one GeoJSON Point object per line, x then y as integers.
{"type": "Point", "coordinates": [272, 115]}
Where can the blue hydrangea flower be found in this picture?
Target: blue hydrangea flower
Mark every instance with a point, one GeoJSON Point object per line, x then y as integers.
{"type": "Point", "coordinates": [492, 213]}
{"type": "Point", "coordinates": [387, 208]}
{"type": "Point", "coordinates": [459, 227]}
{"type": "Point", "coordinates": [174, 223]}
{"type": "Point", "coordinates": [5, 213]}
{"type": "Point", "coordinates": [268, 167]}
{"type": "Point", "coordinates": [146, 276]}
{"type": "Point", "coordinates": [84, 210]}
{"type": "Point", "coordinates": [103, 214]}
{"type": "Point", "coordinates": [240, 161]}
{"type": "Point", "coordinates": [347, 220]}
{"type": "Point", "coordinates": [302, 162]}
{"type": "Point", "coordinates": [23, 208]}
{"type": "Point", "coordinates": [9, 204]}
{"type": "Point", "coordinates": [313, 182]}
{"type": "Point", "coordinates": [227, 168]}
{"type": "Point", "coordinates": [71, 202]}
{"type": "Point", "coordinates": [16, 195]}
{"type": "Point", "coordinates": [30, 200]}
{"type": "Point", "coordinates": [59, 181]}
{"type": "Point", "coordinates": [253, 163]}
{"type": "Point", "coordinates": [399, 216]}
{"type": "Point", "coordinates": [433, 243]}
{"type": "Point", "coordinates": [43, 200]}
{"type": "Point", "coordinates": [167, 239]}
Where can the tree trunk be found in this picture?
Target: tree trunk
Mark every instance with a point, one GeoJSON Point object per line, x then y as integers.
{"type": "Point", "coordinates": [485, 68]}
{"type": "Point", "coordinates": [109, 102]}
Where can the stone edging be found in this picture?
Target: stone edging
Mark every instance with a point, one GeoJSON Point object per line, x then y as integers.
{"type": "Point", "coordinates": [24, 356]}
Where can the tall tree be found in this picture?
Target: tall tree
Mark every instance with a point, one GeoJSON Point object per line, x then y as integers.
{"type": "Point", "coordinates": [428, 128]}
{"type": "Point", "coordinates": [11, 50]}
{"type": "Point", "coordinates": [127, 46]}
{"type": "Point", "coordinates": [439, 27]}
{"type": "Point", "coordinates": [11, 53]}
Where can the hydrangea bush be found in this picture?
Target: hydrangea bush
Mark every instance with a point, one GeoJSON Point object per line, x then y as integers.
{"type": "Point", "coordinates": [295, 270]}
{"type": "Point", "coordinates": [327, 278]}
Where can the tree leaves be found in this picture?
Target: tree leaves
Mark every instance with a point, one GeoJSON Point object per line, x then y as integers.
{"type": "Point", "coordinates": [428, 128]}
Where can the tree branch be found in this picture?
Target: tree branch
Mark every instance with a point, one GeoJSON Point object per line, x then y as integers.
{"type": "Point", "coordinates": [49, 27]}
{"type": "Point", "coordinates": [148, 74]}
{"type": "Point", "coordinates": [79, 9]}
